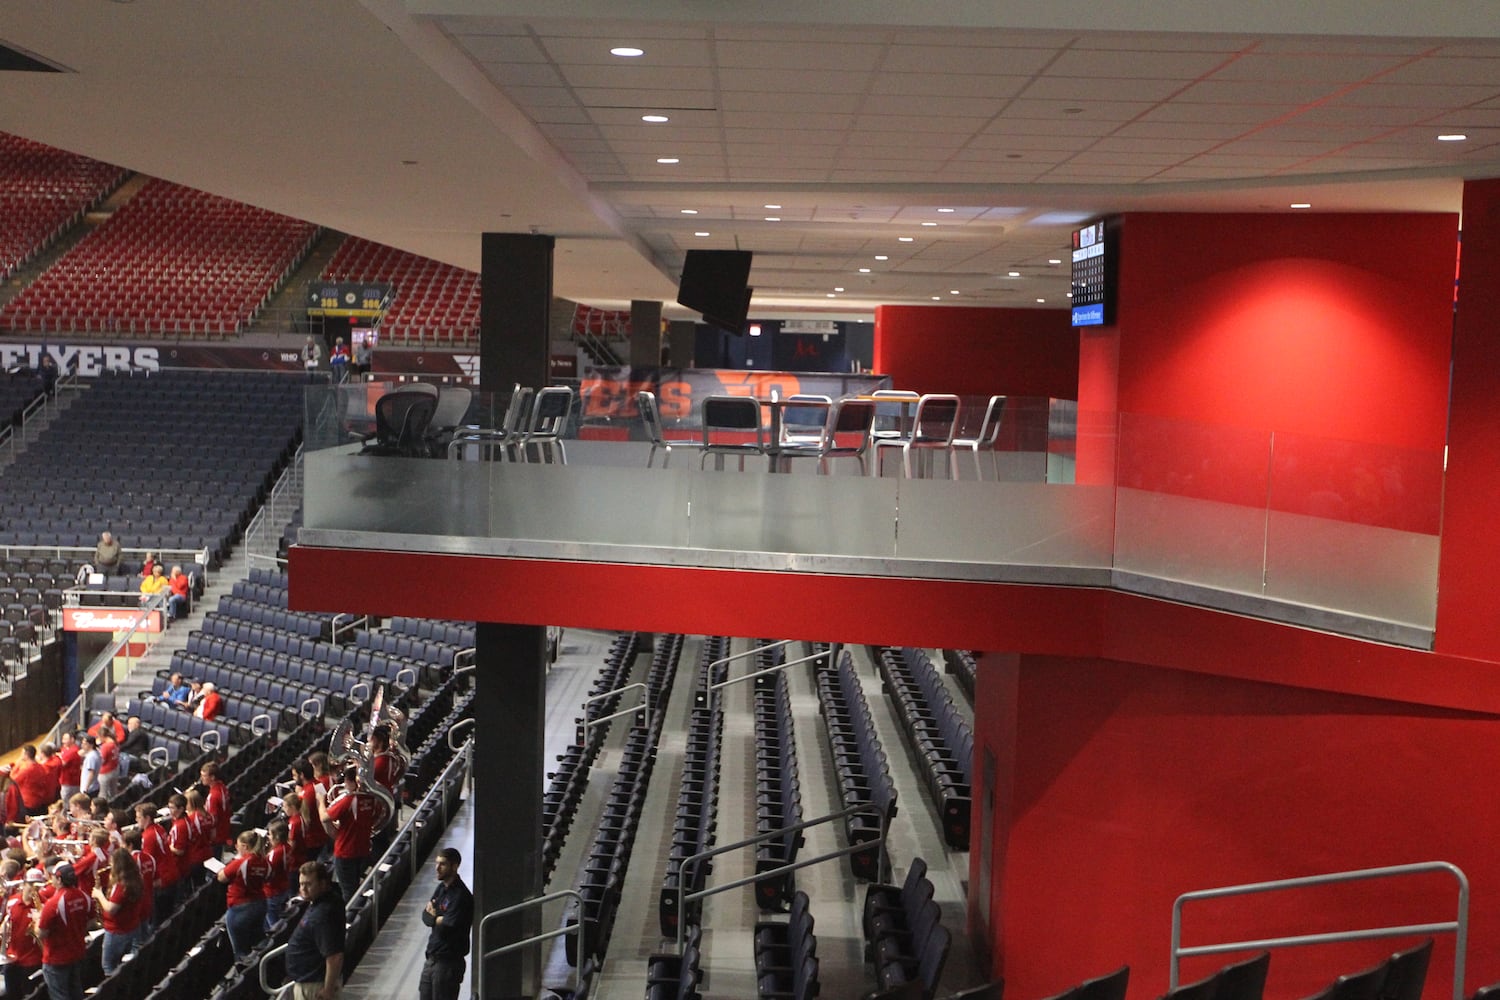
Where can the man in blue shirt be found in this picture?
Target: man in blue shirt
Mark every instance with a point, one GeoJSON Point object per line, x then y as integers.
{"type": "Point", "coordinates": [177, 692]}
{"type": "Point", "coordinates": [315, 953]}
{"type": "Point", "coordinates": [450, 914]}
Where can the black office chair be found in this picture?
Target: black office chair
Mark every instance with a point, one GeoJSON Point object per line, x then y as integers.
{"type": "Point", "coordinates": [401, 419]}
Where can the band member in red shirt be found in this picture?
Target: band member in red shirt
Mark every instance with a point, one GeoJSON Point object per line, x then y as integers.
{"type": "Point", "coordinates": [216, 801]}
{"type": "Point", "coordinates": [120, 906]}
{"type": "Point", "coordinates": [62, 926]}
{"type": "Point", "coordinates": [22, 948]}
{"type": "Point", "coordinates": [246, 878]}
{"type": "Point", "coordinates": [282, 861]}
{"type": "Point", "coordinates": [350, 821]}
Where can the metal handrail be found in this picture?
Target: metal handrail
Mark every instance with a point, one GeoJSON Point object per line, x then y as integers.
{"type": "Point", "coordinates": [458, 727]}
{"type": "Point", "coordinates": [1458, 926]}
{"type": "Point", "coordinates": [265, 960]}
{"type": "Point", "coordinates": [644, 707]}
{"type": "Point", "coordinates": [527, 904]}
{"type": "Point", "coordinates": [690, 863]}
{"type": "Point", "coordinates": [712, 688]}
{"type": "Point", "coordinates": [750, 652]}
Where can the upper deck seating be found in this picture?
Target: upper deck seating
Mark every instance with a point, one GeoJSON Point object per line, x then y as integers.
{"type": "Point", "coordinates": [43, 191]}
{"type": "Point", "coordinates": [433, 302]}
{"type": "Point", "coordinates": [172, 260]}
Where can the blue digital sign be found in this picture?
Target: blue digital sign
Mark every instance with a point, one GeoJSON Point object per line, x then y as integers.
{"type": "Point", "coordinates": [1089, 315]}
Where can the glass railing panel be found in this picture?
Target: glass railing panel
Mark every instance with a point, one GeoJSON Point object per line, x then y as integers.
{"type": "Point", "coordinates": [800, 514]}
{"type": "Point", "coordinates": [1355, 527]}
{"type": "Point", "coordinates": [1191, 502]}
{"type": "Point", "coordinates": [1018, 524]}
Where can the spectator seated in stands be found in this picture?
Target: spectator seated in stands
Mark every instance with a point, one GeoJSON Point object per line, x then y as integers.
{"type": "Point", "coordinates": [154, 584]}
{"type": "Point", "coordinates": [134, 747]}
{"type": "Point", "coordinates": [108, 557]}
{"type": "Point", "coordinates": [210, 703]}
{"type": "Point", "coordinates": [182, 589]}
{"type": "Point", "coordinates": [178, 694]}
{"type": "Point", "coordinates": [149, 564]}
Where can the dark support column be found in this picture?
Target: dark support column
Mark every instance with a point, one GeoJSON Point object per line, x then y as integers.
{"type": "Point", "coordinates": [515, 288]}
{"type": "Point", "coordinates": [682, 335]}
{"type": "Point", "coordinates": [515, 297]}
{"type": "Point", "coordinates": [645, 333]}
{"type": "Point", "coordinates": [510, 704]}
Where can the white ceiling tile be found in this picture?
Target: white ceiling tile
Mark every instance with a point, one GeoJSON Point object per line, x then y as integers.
{"type": "Point", "coordinates": [917, 124]}
{"type": "Point", "coordinates": [640, 147]}
{"type": "Point", "coordinates": [1126, 144]}
{"type": "Point", "coordinates": [919, 105]}
{"type": "Point", "coordinates": [1081, 61]}
{"type": "Point", "coordinates": [1073, 125]}
{"type": "Point", "coordinates": [859, 139]}
{"type": "Point", "coordinates": [1266, 163]}
{"type": "Point", "coordinates": [799, 55]}
{"type": "Point", "coordinates": [1161, 43]}
{"type": "Point", "coordinates": [1223, 114]}
{"type": "Point", "coordinates": [774, 137]}
{"type": "Point", "coordinates": [1324, 46]}
{"type": "Point", "coordinates": [800, 81]}
{"type": "Point", "coordinates": [502, 48]}
{"type": "Point", "coordinates": [621, 32]}
{"type": "Point", "coordinates": [1177, 131]}
{"type": "Point", "coordinates": [776, 120]}
{"type": "Point", "coordinates": [1105, 158]}
{"type": "Point", "coordinates": [645, 100]}
{"type": "Point", "coordinates": [575, 51]}
{"type": "Point", "coordinates": [686, 123]}
{"type": "Point", "coordinates": [631, 131]}
{"type": "Point", "coordinates": [1310, 67]}
{"type": "Point", "coordinates": [565, 132]}
{"type": "Point", "coordinates": [559, 115]}
{"type": "Point", "coordinates": [793, 104]}
{"type": "Point", "coordinates": [1275, 93]}
{"type": "Point", "coordinates": [966, 60]}
{"type": "Point", "coordinates": [1342, 113]}
{"type": "Point", "coordinates": [542, 97]}
{"type": "Point", "coordinates": [1075, 88]}
{"type": "Point", "coordinates": [631, 77]}
{"type": "Point", "coordinates": [1098, 110]}
{"type": "Point", "coordinates": [1435, 97]}
{"type": "Point", "coordinates": [523, 74]}
{"type": "Point", "coordinates": [995, 143]}
{"type": "Point", "coordinates": [946, 85]}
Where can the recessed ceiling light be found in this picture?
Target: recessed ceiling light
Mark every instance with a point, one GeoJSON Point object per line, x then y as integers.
{"type": "Point", "coordinates": [937, 298]}
{"type": "Point", "coordinates": [772, 207]}
{"type": "Point", "coordinates": [929, 223]}
{"type": "Point", "coordinates": [1070, 295]}
{"type": "Point", "coordinates": [838, 288]}
{"type": "Point", "coordinates": [1301, 204]}
{"type": "Point", "coordinates": [1054, 260]}
{"type": "Point", "coordinates": [667, 159]}
{"type": "Point", "coordinates": [1452, 137]}
{"type": "Point", "coordinates": [864, 270]}
{"type": "Point", "coordinates": [906, 239]}
{"type": "Point", "coordinates": [1013, 274]}
{"type": "Point", "coordinates": [627, 51]}
{"type": "Point", "coordinates": [655, 119]}
{"type": "Point", "coordinates": [945, 210]}
{"type": "Point", "coordinates": [881, 256]}
{"type": "Point", "coordinates": [773, 218]}
{"type": "Point", "coordinates": [688, 211]}
{"type": "Point", "coordinates": [700, 234]}
{"type": "Point", "coordinates": [1041, 300]}
{"type": "Point", "coordinates": [953, 291]}
{"type": "Point", "coordinates": [831, 295]}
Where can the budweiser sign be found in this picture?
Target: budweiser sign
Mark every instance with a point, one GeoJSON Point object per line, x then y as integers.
{"type": "Point", "coordinates": [108, 620]}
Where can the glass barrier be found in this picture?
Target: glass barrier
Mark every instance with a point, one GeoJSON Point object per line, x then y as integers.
{"type": "Point", "coordinates": [1211, 515]}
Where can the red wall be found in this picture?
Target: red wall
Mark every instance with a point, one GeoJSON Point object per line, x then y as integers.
{"type": "Point", "coordinates": [1128, 785]}
{"type": "Point", "coordinates": [1471, 538]}
{"type": "Point", "coordinates": [1331, 332]}
{"type": "Point", "coordinates": [977, 352]}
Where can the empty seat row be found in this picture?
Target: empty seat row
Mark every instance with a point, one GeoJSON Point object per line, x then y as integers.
{"type": "Point", "coordinates": [453, 633]}
{"type": "Point", "coordinates": [361, 663]}
{"type": "Point", "coordinates": [939, 737]}
{"type": "Point", "coordinates": [695, 820]}
{"type": "Point", "coordinates": [297, 622]}
{"type": "Point", "coordinates": [963, 666]}
{"type": "Point", "coordinates": [860, 764]}
{"type": "Point", "coordinates": [778, 785]}
{"type": "Point", "coordinates": [786, 954]}
{"type": "Point", "coordinates": [905, 940]}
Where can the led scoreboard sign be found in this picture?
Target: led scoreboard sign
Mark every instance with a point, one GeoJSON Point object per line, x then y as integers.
{"type": "Point", "coordinates": [364, 299]}
{"type": "Point", "coordinates": [1095, 260]}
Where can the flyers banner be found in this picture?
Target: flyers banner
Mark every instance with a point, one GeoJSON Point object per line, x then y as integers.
{"type": "Point", "coordinates": [93, 360]}
{"type": "Point", "coordinates": [108, 620]}
{"type": "Point", "coordinates": [609, 393]}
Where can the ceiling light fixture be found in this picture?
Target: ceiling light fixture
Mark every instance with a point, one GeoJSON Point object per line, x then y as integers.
{"type": "Point", "coordinates": [1301, 204]}
{"type": "Point", "coordinates": [688, 211]}
{"type": "Point", "coordinates": [1452, 137]}
{"type": "Point", "coordinates": [1041, 300]}
{"type": "Point", "coordinates": [1054, 260]}
{"type": "Point", "coordinates": [937, 298]}
{"type": "Point", "coordinates": [946, 210]}
{"type": "Point", "coordinates": [1013, 274]}
{"type": "Point", "coordinates": [700, 234]}
{"type": "Point", "coordinates": [838, 288]}
{"type": "Point", "coordinates": [771, 207]}
{"type": "Point", "coordinates": [906, 239]}
{"type": "Point", "coordinates": [864, 270]}
{"type": "Point", "coordinates": [831, 295]}
{"type": "Point", "coordinates": [667, 159]}
{"type": "Point", "coordinates": [627, 51]}
{"type": "Point", "coordinates": [929, 223]}
{"type": "Point", "coordinates": [773, 218]}
{"type": "Point", "coordinates": [655, 119]}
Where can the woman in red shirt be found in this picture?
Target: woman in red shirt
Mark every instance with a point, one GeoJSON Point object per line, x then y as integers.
{"type": "Point", "coordinates": [120, 906]}
{"type": "Point", "coordinates": [180, 845]}
{"type": "Point", "coordinates": [246, 878]}
{"type": "Point", "coordinates": [281, 857]}
{"type": "Point", "coordinates": [12, 809]}
{"type": "Point", "coordinates": [203, 833]}
{"type": "Point", "coordinates": [314, 837]}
